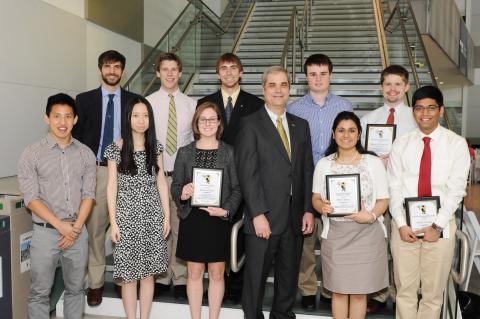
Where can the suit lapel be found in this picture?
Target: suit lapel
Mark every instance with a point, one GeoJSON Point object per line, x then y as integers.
{"type": "Point", "coordinates": [271, 130]}
{"type": "Point", "coordinates": [218, 99]}
{"type": "Point", "coordinates": [97, 108]}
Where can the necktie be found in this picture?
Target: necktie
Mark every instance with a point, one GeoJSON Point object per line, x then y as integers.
{"type": "Point", "coordinates": [425, 174]}
{"type": "Point", "coordinates": [391, 116]}
{"type": "Point", "coordinates": [172, 127]}
{"type": "Point", "coordinates": [229, 109]}
{"type": "Point", "coordinates": [108, 125]}
{"type": "Point", "coordinates": [283, 135]}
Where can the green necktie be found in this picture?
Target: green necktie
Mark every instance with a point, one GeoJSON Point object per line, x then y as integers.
{"type": "Point", "coordinates": [283, 135]}
{"type": "Point", "coordinates": [172, 127]}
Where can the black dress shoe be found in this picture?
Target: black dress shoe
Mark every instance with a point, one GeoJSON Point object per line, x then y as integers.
{"type": "Point", "coordinates": [160, 289]}
{"type": "Point", "coordinates": [180, 292]}
{"type": "Point", "coordinates": [232, 296]}
{"type": "Point", "coordinates": [325, 299]}
{"type": "Point", "coordinates": [374, 306]}
{"type": "Point", "coordinates": [309, 303]}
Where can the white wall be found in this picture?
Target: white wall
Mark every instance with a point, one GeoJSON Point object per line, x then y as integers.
{"type": "Point", "coordinates": [46, 50]}
{"type": "Point", "coordinates": [158, 19]}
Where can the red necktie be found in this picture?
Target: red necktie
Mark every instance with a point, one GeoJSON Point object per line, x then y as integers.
{"type": "Point", "coordinates": [425, 174]}
{"type": "Point", "coordinates": [391, 116]}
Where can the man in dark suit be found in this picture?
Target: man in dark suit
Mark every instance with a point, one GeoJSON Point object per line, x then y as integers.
{"type": "Point", "coordinates": [234, 104]}
{"type": "Point", "coordinates": [100, 117]}
{"type": "Point", "coordinates": [275, 168]}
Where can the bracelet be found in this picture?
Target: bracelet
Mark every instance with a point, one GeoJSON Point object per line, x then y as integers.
{"type": "Point", "coordinates": [374, 217]}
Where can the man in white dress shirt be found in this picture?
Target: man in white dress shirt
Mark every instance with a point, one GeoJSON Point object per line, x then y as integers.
{"type": "Point", "coordinates": [394, 86]}
{"type": "Point", "coordinates": [428, 161]}
{"type": "Point", "coordinates": [173, 113]}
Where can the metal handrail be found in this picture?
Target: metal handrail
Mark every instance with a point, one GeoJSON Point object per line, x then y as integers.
{"type": "Point", "coordinates": [291, 33]}
{"type": "Point", "coordinates": [242, 29]}
{"type": "Point", "coordinates": [382, 43]}
{"type": "Point", "coordinates": [304, 26]}
{"type": "Point", "coordinates": [460, 276]}
{"type": "Point", "coordinates": [176, 47]}
{"type": "Point", "coordinates": [236, 263]}
{"type": "Point", "coordinates": [233, 15]}
{"type": "Point", "coordinates": [150, 54]}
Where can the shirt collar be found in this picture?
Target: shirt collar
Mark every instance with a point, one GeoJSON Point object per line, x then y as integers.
{"type": "Point", "coordinates": [234, 96]}
{"type": "Point", "coordinates": [327, 99]}
{"type": "Point", "coordinates": [105, 93]}
{"type": "Point", "coordinates": [435, 135]}
{"type": "Point", "coordinates": [164, 92]}
{"type": "Point", "coordinates": [274, 116]}
{"type": "Point", "coordinates": [51, 142]}
{"type": "Point", "coordinates": [387, 108]}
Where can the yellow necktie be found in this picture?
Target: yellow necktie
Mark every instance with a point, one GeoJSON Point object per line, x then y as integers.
{"type": "Point", "coordinates": [283, 135]}
{"type": "Point", "coordinates": [172, 127]}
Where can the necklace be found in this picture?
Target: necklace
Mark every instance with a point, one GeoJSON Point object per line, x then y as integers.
{"type": "Point", "coordinates": [349, 161]}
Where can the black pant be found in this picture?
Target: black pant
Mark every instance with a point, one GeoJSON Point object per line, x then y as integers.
{"type": "Point", "coordinates": [285, 250]}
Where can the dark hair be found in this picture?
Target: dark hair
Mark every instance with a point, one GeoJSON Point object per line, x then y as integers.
{"type": "Point", "coordinates": [111, 56]}
{"type": "Point", "coordinates": [229, 57]}
{"type": "Point", "coordinates": [60, 98]}
{"type": "Point", "coordinates": [127, 163]}
{"type": "Point", "coordinates": [395, 70]}
{"type": "Point", "coordinates": [196, 117]}
{"type": "Point", "coordinates": [345, 116]}
{"type": "Point", "coordinates": [168, 56]}
{"type": "Point", "coordinates": [428, 92]}
{"type": "Point", "coordinates": [318, 59]}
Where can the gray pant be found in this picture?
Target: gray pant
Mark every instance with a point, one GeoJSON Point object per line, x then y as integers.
{"type": "Point", "coordinates": [45, 255]}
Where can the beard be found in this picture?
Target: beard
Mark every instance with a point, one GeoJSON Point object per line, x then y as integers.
{"type": "Point", "coordinates": [111, 82]}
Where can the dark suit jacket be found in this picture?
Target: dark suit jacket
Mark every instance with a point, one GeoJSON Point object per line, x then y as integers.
{"type": "Point", "coordinates": [182, 174]}
{"type": "Point", "coordinates": [246, 104]}
{"type": "Point", "coordinates": [267, 175]}
{"type": "Point", "coordinates": [89, 111]}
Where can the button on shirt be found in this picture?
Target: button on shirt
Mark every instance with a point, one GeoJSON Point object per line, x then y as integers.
{"type": "Point", "coordinates": [117, 118]}
{"type": "Point", "coordinates": [185, 107]}
{"type": "Point", "coordinates": [320, 119]}
{"type": "Point", "coordinates": [60, 178]}
{"type": "Point", "coordinates": [450, 165]}
{"type": "Point", "coordinates": [403, 119]}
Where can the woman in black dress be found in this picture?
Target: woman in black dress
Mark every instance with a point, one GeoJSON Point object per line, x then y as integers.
{"type": "Point", "coordinates": [203, 231]}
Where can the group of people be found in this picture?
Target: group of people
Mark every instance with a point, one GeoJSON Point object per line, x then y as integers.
{"type": "Point", "coordinates": [115, 158]}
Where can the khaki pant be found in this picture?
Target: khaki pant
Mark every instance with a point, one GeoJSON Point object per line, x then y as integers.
{"type": "Point", "coordinates": [425, 263]}
{"type": "Point", "coordinates": [97, 224]}
{"type": "Point", "coordinates": [177, 268]}
{"type": "Point", "coordinates": [307, 278]}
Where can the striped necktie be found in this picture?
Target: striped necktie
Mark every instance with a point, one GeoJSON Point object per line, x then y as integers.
{"type": "Point", "coordinates": [283, 136]}
{"type": "Point", "coordinates": [172, 127]}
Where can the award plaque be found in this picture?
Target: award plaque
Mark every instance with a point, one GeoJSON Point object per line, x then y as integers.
{"type": "Point", "coordinates": [380, 137]}
{"type": "Point", "coordinates": [207, 187]}
{"type": "Point", "coordinates": [343, 192]}
{"type": "Point", "coordinates": [421, 211]}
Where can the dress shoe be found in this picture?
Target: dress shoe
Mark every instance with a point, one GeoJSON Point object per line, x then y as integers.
{"type": "Point", "coordinates": [232, 296]}
{"type": "Point", "coordinates": [374, 306]}
{"type": "Point", "coordinates": [118, 290]}
{"type": "Point", "coordinates": [94, 296]}
{"type": "Point", "coordinates": [309, 303]}
{"type": "Point", "coordinates": [180, 292]}
{"type": "Point", "coordinates": [325, 299]}
{"type": "Point", "coordinates": [160, 289]}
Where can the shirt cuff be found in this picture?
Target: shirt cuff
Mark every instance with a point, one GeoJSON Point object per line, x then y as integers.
{"type": "Point", "coordinates": [400, 221]}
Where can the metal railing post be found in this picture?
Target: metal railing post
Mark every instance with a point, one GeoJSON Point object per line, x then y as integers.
{"type": "Point", "coordinates": [294, 44]}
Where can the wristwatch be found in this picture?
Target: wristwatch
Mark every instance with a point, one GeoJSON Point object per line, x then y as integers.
{"type": "Point", "coordinates": [437, 228]}
{"type": "Point", "coordinates": [226, 215]}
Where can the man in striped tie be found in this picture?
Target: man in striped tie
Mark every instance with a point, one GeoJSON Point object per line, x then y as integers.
{"type": "Point", "coordinates": [173, 112]}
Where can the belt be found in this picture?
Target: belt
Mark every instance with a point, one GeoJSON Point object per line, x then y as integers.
{"type": "Point", "coordinates": [101, 163]}
{"type": "Point", "coordinates": [168, 173]}
{"type": "Point", "coordinates": [47, 225]}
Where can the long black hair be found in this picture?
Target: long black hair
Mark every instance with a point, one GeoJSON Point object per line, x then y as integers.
{"type": "Point", "coordinates": [127, 163]}
{"type": "Point", "coordinates": [345, 116]}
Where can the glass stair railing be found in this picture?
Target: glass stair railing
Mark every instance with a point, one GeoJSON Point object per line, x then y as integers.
{"type": "Point", "coordinates": [198, 36]}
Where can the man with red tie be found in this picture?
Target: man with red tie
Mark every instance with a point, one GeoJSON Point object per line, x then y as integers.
{"type": "Point", "coordinates": [428, 161]}
{"type": "Point", "coordinates": [394, 86]}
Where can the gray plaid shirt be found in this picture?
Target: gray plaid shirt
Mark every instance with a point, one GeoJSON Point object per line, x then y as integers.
{"type": "Point", "coordinates": [60, 178]}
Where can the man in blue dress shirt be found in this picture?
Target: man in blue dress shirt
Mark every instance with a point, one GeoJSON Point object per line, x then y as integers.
{"type": "Point", "coordinates": [319, 107]}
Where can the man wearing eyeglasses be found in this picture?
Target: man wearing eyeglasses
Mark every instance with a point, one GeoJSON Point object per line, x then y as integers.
{"type": "Point", "coordinates": [234, 104]}
{"type": "Point", "coordinates": [173, 113]}
{"type": "Point", "coordinates": [394, 86]}
{"type": "Point", "coordinates": [428, 161]}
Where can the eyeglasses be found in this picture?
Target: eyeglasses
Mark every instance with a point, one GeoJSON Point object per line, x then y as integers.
{"type": "Point", "coordinates": [428, 108]}
{"type": "Point", "coordinates": [212, 120]}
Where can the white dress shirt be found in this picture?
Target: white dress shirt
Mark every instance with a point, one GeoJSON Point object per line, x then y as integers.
{"type": "Point", "coordinates": [274, 117]}
{"type": "Point", "coordinates": [185, 107]}
{"type": "Point", "coordinates": [450, 164]}
{"type": "Point", "coordinates": [403, 118]}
